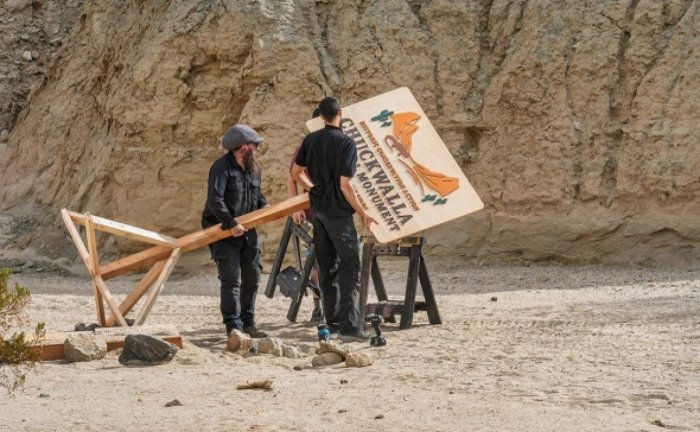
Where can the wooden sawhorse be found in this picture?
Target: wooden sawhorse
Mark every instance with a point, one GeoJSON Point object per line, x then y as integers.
{"type": "Point", "coordinates": [411, 247]}
{"type": "Point", "coordinates": [298, 234]}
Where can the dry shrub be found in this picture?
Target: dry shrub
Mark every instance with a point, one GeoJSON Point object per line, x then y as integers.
{"type": "Point", "coordinates": [17, 356]}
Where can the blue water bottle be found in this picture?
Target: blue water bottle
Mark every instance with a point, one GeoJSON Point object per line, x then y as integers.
{"type": "Point", "coordinates": [324, 333]}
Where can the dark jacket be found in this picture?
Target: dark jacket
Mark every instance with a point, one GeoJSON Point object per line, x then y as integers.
{"type": "Point", "coordinates": [231, 192]}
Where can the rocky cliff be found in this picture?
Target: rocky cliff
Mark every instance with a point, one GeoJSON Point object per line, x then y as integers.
{"type": "Point", "coordinates": [575, 121]}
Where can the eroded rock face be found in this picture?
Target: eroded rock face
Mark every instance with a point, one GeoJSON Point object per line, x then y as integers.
{"type": "Point", "coordinates": [575, 122]}
{"type": "Point", "coordinates": [31, 34]}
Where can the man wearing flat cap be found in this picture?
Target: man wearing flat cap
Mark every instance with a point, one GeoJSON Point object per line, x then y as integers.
{"type": "Point", "coordinates": [234, 190]}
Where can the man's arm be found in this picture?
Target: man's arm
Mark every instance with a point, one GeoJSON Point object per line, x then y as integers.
{"type": "Point", "coordinates": [301, 178]}
{"type": "Point", "coordinates": [349, 193]}
{"type": "Point", "coordinates": [215, 202]}
{"type": "Point", "coordinates": [292, 191]}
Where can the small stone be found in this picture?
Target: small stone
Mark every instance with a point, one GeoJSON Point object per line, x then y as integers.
{"type": "Point", "coordinates": [79, 327]}
{"type": "Point", "coordinates": [326, 359]}
{"type": "Point", "coordinates": [379, 416]}
{"type": "Point", "coordinates": [83, 346]}
{"type": "Point", "coordinates": [27, 55]}
{"type": "Point", "coordinates": [28, 264]}
{"type": "Point", "coordinates": [238, 340]}
{"type": "Point", "coordinates": [44, 395]}
{"type": "Point", "coordinates": [493, 299]}
{"type": "Point", "coordinates": [142, 348]}
{"type": "Point", "coordinates": [173, 403]}
{"type": "Point", "coordinates": [343, 381]}
{"type": "Point", "coordinates": [328, 346]}
{"type": "Point", "coordinates": [341, 411]}
{"type": "Point", "coordinates": [270, 345]}
{"type": "Point", "coordinates": [289, 351]}
{"type": "Point", "coordinates": [357, 360]}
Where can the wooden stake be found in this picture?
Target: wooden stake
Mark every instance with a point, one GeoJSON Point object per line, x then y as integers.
{"type": "Point", "coordinates": [134, 296]}
{"type": "Point", "coordinates": [124, 230]}
{"type": "Point", "coordinates": [158, 287]}
{"type": "Point", "coordinates": [73, 231]}
{"type": "Point", "coordinates": [110, 301]}
{"type": "Point", "coordinates": [94, 267]}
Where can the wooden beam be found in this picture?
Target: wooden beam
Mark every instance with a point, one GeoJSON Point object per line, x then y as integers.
{"type": "Point", "coordinates": [135, 295]}
{"type": "Point", "coordinates": [94, 267]}
{"type": "Point", "coordinates": [124, 230]}
{"type": "Point", "coordinates": [158, 287]}
{"type": "Point", "coordinates": [110, 300]}
{"type": "Point", "coordinates": [202, 238]}
{"type": "Point", "coordinates": [73, 231]}
{"type": "Point", "coordinates": [54, 350]}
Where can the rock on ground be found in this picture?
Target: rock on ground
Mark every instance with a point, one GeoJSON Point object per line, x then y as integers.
{"type": "Point", "coordinates": [141, 348]}
{"type": "Point", "coordinates": [84, 346]}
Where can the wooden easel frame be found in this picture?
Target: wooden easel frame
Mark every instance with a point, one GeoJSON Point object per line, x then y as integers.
{"type": "Point", "coordinates": [154, 279]}
{"type": "Point", "coordinates": [163, 255]}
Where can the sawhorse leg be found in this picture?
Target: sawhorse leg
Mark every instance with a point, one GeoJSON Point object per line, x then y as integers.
{"type": "Point", "coordinates": [428, 295]}
{"type": "Point", "coordinates": [411, 285]}
{"type": "Point", "coordinates": [284, 242]}
{"type": "Point", "coordinates": [296, 303]}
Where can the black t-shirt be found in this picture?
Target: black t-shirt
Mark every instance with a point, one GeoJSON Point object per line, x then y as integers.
{"type": "Point", "coordinates": [328, 154]}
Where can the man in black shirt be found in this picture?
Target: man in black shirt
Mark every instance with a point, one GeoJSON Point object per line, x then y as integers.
{"type": "Point", "coordinates": [330, 157]}
{"type": "Point", "coordinates": [234, 190]}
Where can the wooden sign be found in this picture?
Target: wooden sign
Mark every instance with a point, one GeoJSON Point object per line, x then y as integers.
{"type": "Point", "coordinates": [406, 178]}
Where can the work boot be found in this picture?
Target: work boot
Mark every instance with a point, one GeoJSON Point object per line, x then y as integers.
{"type": "Point", "coordinates": [254, 332]}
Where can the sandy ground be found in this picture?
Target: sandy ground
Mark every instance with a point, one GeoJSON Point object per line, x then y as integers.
{"type": "Point", "coordinates": [561, 348]}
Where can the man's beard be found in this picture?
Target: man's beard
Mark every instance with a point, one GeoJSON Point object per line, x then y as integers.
{"type": "Point", "coordinates": [249, 163]}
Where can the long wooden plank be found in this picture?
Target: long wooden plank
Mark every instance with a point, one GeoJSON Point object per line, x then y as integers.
{"type": "Point", "coordinates": [135, 295]}
{"type": "Point", "coordinates": [56, 351]}
{"type": "Point", "coordinates": [202, 238]}
{"type": "Point", "coordinates": [94, 267]}
{"type": "Point", "coordinates": [125, 230]}
{"type": "Point", "coordinates": [158, 286]}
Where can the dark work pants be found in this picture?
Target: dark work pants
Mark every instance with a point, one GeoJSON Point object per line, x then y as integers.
{"type": "Point", "coordinates": [338, 256]}
{"type": "Point", "coordinates": [238, 263]}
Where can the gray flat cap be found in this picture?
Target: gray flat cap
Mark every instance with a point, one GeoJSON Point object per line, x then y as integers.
{"type": "Point", "coordinates": [238, 135]}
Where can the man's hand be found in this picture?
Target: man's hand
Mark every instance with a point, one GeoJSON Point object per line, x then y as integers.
{"type": "Point", "coordinates": [238, 230]}
{"type": "Point", "coordinates": [367, 220]}
{"type": "Point", "coordinates": [298, 217]}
